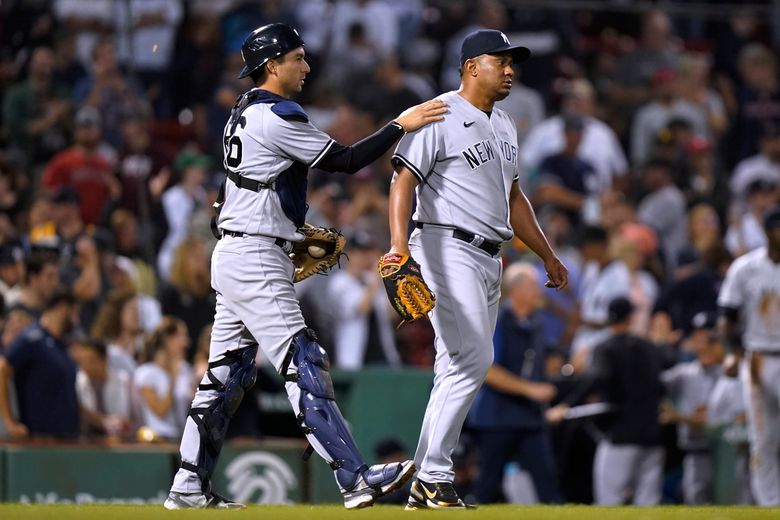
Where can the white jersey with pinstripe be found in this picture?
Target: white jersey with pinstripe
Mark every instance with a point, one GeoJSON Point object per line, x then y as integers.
{"type": "Point", "coordinates": [466, 165]}
{"type": "Point", "coordinates": [262, 146]}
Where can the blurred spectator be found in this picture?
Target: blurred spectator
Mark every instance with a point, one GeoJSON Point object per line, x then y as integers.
{"type": "Point", "coordinates": [656, 50]}
{"type": "Point", "coordinates": [88, 25]}
{"type": "Point", "coordinates": [43, 374]}
{"type": "Point", "coordinates": [663, 209]}
{"type": "Point", "coordinates": [36, 111]}
{"type": "Point", "coordinates": [125, 276]}
{"type": "Point", "coordinates": [763, 166]}
{"type": "Point", "coordinates": [362, 324]}
{"type": "Point", "coordinates": [758, 99]}
{"type": "Point", "coordinates": [747, 233]}
{"type": "Point", "coordinates": [726, 410]}
{"type": "Point", "coordinates": [694, 87]}
{"type": "Point", "coordinates": [165, 383]}
{"type": "Point", "coordinates": [599, 146]}
{"type": "Point", "coordinates": [146, 42]}
{"type": "Point", "coordinates": [103, 393]}
{"type": "Point", "coordinates": [389, 93]}
{"type": "Point", "coordinates": [487, 14]}
{"type": "Point", "coordinates": [693, 287]}
{"type": "Point", "coordinates": [11, 273]}
{"type": "Point", "coordinates": [188, 296]}
{"type": "Point", "coordinates": [117, 325]}
{"type": "Point", "coordinates": [708, 183]}
{"type": "Point", "coordinates": [129, 245]}
{"type": "Point", "coordinates": [83, 169]}
{"type": "Point", "coordinates": [704, 230]}
{"type": "Point", "coordinates": [41, 282]}
{"type": "Point", "coordinates": [144, 175]}
{"type": "Point", "coordinates": [626, 371]}
{"type": "Point", "coordinates": [108, 89]}
{"type": "Point", "coordinates": [689, 386]}
{"type": "Point", "coordinates": [363, 54]}
{"type": "Point", "coordinates": [68, 70]}
{"type": "Point", "coordinates": [643, 289]}
{"type": "Point", "coordinates": [180, 202]}
{"type": "Point", "coordinates": [603, 280]}
{"type": "Point", "coordinates": [377, 19]}
{"type": "Point", "coordinates": [508, 410]}
{"type": "Point", "coordinates": [567, 181]}
{"type": "Point", "coordinates": [14, 321]}
{"type": "Point", "coordinates": [667, 104]}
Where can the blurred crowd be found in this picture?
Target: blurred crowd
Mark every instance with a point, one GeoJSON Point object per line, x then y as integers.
{"type": "Point", "coordinates": [650, 146]}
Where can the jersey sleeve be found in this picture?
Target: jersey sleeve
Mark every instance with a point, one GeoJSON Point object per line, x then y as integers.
{"type": "Point", "coordinates": [731, 293]}
{"type": "Point", "coordinates": [296, 139]}
{"type": "Point", "coordinates": [417, 151]}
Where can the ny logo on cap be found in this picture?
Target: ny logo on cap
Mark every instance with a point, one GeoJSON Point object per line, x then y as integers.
{"type": "Point", "coordinates": [505, 38]}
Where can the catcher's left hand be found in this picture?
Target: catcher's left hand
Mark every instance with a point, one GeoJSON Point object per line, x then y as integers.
{"type": "Point", "coordinates": [318, 252]}
{"type": "Point", "coordinates": [406, 289]}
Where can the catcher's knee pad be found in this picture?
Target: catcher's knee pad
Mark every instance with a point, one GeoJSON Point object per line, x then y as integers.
{"type": "Point", "coordinates": [239, 376]}
{"type": "Point", "coordinates": [319, 415]}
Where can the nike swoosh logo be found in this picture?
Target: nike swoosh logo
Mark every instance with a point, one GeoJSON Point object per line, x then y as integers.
{"type": "Point", "coordinates": [468, 124]}
{"type": "Point", "coordinates": [425, 490]}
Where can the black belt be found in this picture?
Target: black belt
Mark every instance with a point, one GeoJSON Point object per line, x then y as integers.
{"type": "Point", "coordinates": [286, 245]}
{"type": "Point", "coordinates": [249, 184]}
{"type": "Point", "coordinates": [491, 248]}
{"type": "Point", "coordinates": [770, 353]}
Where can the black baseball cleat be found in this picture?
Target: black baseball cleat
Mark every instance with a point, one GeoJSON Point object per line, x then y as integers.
{"type": "Point", "coordinates": [377, 481]}
{"type": "Point", "coordinates": [434, 495]}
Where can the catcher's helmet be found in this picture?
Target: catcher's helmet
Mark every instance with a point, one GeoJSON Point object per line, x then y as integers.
{"type": "Point", "coordinates": [269, 41]}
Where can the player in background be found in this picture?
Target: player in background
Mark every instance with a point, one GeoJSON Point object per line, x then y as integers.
{"type": "Point", "coordinates": [750, 295]}
{"type": "Point", "coordinates": [269, 145]}
{"type": "Point", "coordinates": [464, 171]}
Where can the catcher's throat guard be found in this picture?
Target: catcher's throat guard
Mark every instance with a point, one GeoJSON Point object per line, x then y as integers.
{"type": "Point", "coordinates": [406, 289]}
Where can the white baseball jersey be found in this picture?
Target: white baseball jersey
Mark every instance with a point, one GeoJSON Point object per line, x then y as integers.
{"type": "Point", "coordinates": [752, 286]}
{"type": "Point", "coordinates": [466, 165]}
{"type": "Point", "coordinates": [261, 146]}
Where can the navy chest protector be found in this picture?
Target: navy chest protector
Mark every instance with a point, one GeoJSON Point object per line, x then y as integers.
{"type": "Point", "coordinates": [291, 185]}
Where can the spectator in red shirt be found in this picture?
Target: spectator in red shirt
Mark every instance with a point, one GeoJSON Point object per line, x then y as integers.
{"type": "Point", "coordinates": [82, 168]}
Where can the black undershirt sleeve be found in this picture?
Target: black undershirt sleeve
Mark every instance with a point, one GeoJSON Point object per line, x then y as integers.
{"type": "Point", "coordinates": [350, 159]}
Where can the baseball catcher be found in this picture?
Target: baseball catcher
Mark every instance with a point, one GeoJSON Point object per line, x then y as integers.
{"type": "Point", "coordinates": [318, 252]}
{"type": "Point", "coordinates": [406, 289]}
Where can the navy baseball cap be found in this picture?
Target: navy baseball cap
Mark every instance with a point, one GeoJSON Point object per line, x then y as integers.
{"type": "Point", "coordinates": [706, 320]}
{"type": "Point", "coordinates": [489, 41]}
{"type": "Point", "coordinates": [772, 217]}
{"type": "Point", "coordinates": [619, 310]}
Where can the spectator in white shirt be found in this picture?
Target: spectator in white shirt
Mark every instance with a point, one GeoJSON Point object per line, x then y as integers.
{"type": "Point", "coordinates": [166, 383]}
{"type": "Point", "coordinates": [103, 393]}
{"type": "Point", "coordinates": [363, 327]}
{"type": "Point", "coordinates": [179, 203]}
{"type": "Point", "coordinates": [599, 147]}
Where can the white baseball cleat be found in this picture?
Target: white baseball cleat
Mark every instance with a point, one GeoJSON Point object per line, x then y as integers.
{"type": "Point", "coordinates": [178, 500]}
{"type": "Point", "coordinates": [377, 481]}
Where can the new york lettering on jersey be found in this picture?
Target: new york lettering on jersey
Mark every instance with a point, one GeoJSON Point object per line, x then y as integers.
{"type": "Point", "coordinates": [466, 165]}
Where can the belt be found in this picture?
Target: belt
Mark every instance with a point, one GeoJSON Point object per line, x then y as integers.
{"type": "Point", "coordinates": [249, 184]}
{"type": "Point", "coordinates": [286, 245]}
{"type": "Point", "coordinates": [491, 248]}
{"type": "Point", "coordinates": [771, 353]}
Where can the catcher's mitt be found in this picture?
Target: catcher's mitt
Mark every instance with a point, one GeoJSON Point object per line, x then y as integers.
{"type": "Point", "coordinates": [318, 252]}
{"type": "Point", "coordinates": [405, 287]}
